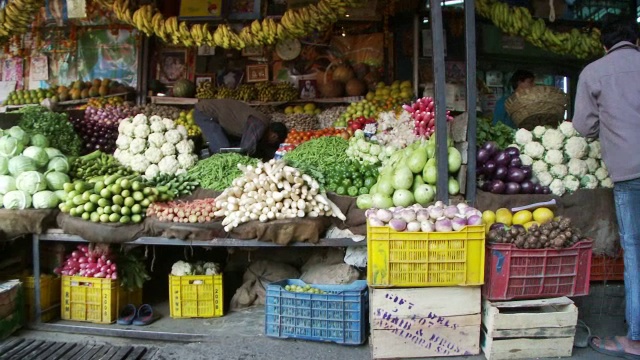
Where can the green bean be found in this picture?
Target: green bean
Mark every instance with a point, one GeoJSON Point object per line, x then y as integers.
{"type": "Point", "coordinates": [218, 171]}
{"type": "Point", "coordinates": [316, 157]}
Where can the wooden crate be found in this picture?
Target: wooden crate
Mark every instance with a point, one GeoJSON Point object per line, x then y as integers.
{"type": "Point", "coordinates": [425, 322]}
{"type": "Point", "coordinates": [528, 329]}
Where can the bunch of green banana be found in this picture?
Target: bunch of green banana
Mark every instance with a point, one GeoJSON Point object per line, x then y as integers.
{"type": "Point", "coordinates": [17, 15]}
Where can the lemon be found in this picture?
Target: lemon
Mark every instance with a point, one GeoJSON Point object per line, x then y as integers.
{"type": "Point", "coordinates": [543, 215]}
{"type": "Point", "coordinates": [503, 215]}
{"type": "Point", "coordinates": [488, 216]}
{"type": "Point", "coordinates": [309, 107]}
{"type": "Point", "coordinates": [522, 217]}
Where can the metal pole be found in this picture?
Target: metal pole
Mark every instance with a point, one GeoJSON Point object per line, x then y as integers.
{"type": "Point", "coordinates": [470, 42]}
{"type": "Point", "coordinates": [143, 70]}
{"type": "Point", "coordinates": [437, 37]}
{"type": "Point", "coordinates": [37, 310]}
{"type": "Point", "coordinates": [416, 55]}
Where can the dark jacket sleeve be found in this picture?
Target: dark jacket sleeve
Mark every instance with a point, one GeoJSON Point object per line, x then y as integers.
{"type": "Point", "coordinates": [253, 132]}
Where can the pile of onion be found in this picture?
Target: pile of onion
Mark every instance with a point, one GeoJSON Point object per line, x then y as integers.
{"type": "Point", "coordinates": [95, 263]}
{"type": "Point", "coordinates": [434, 218]}
{"type": "Point", "coordinates": [502, 172]}
{"type": "Point", "coordinates": [99, 127]}
{"type": "Point", "coordinates": [424, 116]}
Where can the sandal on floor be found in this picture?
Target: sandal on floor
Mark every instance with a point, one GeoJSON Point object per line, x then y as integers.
{"type": "Point", "coordinates": [582, 336]}
{"type": "Point", "coordinates": [146, 316]}
{"type": "Point", "coordinates": [620, 353]}
{"type": "Point", "coordinates": [127, 314]}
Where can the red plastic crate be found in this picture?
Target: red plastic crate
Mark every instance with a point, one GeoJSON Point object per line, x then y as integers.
{"type": "Point", "coordinates": [607, 268]}
{"type": "Point", "coordinates": [513, 273]}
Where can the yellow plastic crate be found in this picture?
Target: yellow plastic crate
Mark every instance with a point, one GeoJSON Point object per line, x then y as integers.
{"type": "Point", "coordinates": [94, 299]}
{"type": "Point", "coordinates": [198, 296]}
{"type": "Point", "coordinates": [418, 259]}
{"type": "Point", "coordinates": [50, 287]}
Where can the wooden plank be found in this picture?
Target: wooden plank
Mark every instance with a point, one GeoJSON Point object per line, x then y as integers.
{"type": "Point", "coordinates": [534, 333]}
{"type": "Point", "coordinates": [101, 352]}
{"type": "Point", "coordinates": [65, 348]}
{"type": "Point", "coordinates": [49, 352]}
{"type": "Point", "coordinates": [72, 352]}
{"type": "Point", "coordinates": [109, 354]}
{"type": "Point", "coordinates": [511, 349]}
{"type": "Point", "coordinates": [29, 349]}
{"type": "Point", "coordinates": [136, 353]}
{"type": "Point", "coordinates": [532, 303]}
{"type": "Point", "coordinates": [16, 349]}
{"type": "Point", "coordinates": [9, 344]}
{"type": "Point", "coordinates": [511, 318]}
{"type": "Point", "coordinates": [44, 348]}
{"type": "Point", "coordinates": [91, 353]}
{"type": "Point", "coordinates": [84, 352]}
{"type": "Point", "coordinates": [149, 354]}
{"type": "Point", "coordinates": [122, 353]}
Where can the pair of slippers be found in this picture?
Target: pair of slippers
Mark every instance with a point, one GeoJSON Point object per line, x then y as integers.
{"type": "Point", "coordinates": [139, 317]}
{"type": "Point", "coordinates": [619, 353]}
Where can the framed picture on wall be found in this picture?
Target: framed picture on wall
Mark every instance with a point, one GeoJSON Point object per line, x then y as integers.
{"type": "Point", "coordinates": [257, 73]}
{"type": "Point", "coordinates": [252, 51]}
{"type": "Point", "coordinates": [202, 79]}
{"type": "Point", "coordinates": [307, 88]}
{"type": "Point", "coordinates": [172, 65]}
{"type": "Point", "coordinates": [244, 9]}
{"type": "Point", "coordinates": [201, 9]}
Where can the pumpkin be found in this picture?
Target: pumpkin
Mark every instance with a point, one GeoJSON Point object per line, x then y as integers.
{"type": "Point", "coordinates": [356, 87]}
{"type": "Point", "coordinates": [343, 73]}
{"type": "Point", "coordinates": [332, 89]}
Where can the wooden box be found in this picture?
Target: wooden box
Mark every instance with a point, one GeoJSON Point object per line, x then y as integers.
{"type": "Point", "coordinates": [528, 329]}
{"type": "Point", "coordinates": [425, 322]}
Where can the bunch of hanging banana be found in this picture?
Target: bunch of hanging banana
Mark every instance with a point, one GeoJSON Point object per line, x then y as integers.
{"type": "Point", "coordinates": [17, 15]}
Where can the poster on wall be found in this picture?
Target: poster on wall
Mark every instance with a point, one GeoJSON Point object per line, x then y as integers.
{"type": "Point", "coordinates": [172, 66]}
{"type": "Point", "coordinates": [199, 9]}
{"type": "Point", "coordinates": [12, 70]}
{"type": "Point", "coordinates": [103, 54]}
{"type": "Point", "coordinates": [39, 69]}
{"type": "Point", "coordinates": [244, 9]}
{"type": "Point", "coordinates": [76, 9]}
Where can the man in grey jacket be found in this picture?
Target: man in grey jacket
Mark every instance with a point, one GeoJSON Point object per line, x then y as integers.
{"type": "Point", "coordinates": [608, 106]}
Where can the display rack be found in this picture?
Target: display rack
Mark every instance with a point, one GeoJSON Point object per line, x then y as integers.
{"type": "Point", "coordinates": [90, 329]}
{"type": "Point", "coordinates": [169, 100]}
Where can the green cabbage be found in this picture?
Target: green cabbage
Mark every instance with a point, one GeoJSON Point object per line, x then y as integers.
{"type": "Point", "coordinates": [56, 164]}
{"type": "Point", "coordinates": [31, 182]}
{"type": "Point", "coordinates": [61, 194]}
{"type": "Point", "coordinates": [37, 154]}
{"type": "Point", "coordinates": [55, 180]}
{"type": "Point", "coordinates": [17, 133]}
{"type": "Point", "coordinates": [17, 199]}
{"type": "Point", "coordinates": [20, 164]}
{"type": "Point", "coordinates": [10, 147]}
{"type": "Point", "coordinates": [45, 200]}
{"type": "Point", "coordinates": [39, 140]}
{"type": "Point", "coordinates": [7, 183]}
{"type": "Point", "coordinates": [4, 165]}
{"type": "Point", "coordinates": [53, 152]}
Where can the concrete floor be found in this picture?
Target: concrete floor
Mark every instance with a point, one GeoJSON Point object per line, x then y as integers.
{"type": "Point", "coordinates": [239, 336]}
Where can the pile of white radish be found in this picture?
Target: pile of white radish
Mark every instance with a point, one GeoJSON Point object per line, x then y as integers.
{"type": "Point", "coordinates": [272, 191]}
{"type": "Point", "coordinates": [434, 218]}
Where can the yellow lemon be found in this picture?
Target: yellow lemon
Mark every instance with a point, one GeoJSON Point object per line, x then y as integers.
{"type": "Point", "coordinates": [542, 215]}
{"type": "Point", "coordinates": [309, 107]}
{"type": "Point", "coordinates": [503, 215]}
{"type": "Point", "coordinates": [522, 217]}
{"type": "Point", "coordinates": [488, 216]}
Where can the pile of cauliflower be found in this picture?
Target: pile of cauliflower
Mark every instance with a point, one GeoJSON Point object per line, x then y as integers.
{"type": "Point", "coordinates": [183, 268]}
{"type": "Point", "coordinates": [153, 146]}
{"type": "Point", "coordinates": [561, 159]}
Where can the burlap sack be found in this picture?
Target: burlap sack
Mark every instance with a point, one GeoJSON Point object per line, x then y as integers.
{"type": "Point", "coordinates": [356, 222]}
{"type": "Point", "coordinates": [336, 274]}
{"type": "Point", "coordinates": [255, 280]}
{"type": "Point", "coordinates": [283, 232]}
{"type": "Point", "coordinates": [104, 233]}
{"type": "Point", "coordinates": [14, 223]}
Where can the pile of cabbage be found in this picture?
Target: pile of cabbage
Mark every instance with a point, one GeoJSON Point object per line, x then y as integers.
{"type": "Point", "coordinates": [32, 174]}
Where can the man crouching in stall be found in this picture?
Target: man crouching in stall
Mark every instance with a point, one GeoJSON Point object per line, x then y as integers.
{"type": "Point", "coordinates": [230, 123]}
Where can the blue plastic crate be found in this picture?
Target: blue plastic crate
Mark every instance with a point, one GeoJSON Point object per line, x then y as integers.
{"type": "Point", "coordinates": [340, 315]}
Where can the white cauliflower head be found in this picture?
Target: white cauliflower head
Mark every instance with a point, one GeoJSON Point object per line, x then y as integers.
{"type": "Point", "coordinates": [181, 268]}
{"type": "Point", "coordinates": [168, 149]}
{"type": "Point", "coordinates": [187, 160]}
{"type": "Point", "coordinates": [595, 150]}
{"type": "Point", "coordinates": [141, 131]}
{"type": "Point", "coordinates": [185, 147]}
{"type": "Point", "coordinates": [137, 146]}
{"type": "Point", "coordinates": [557, 187]}
{"type": "Point", "coordinates": [576, 147]}
{"type": "Point", "coordinates": [152, 171]}
{"type": "Point", "coordinates": [523, 137]}
{"type": "Point", "coordinates": [127, 129]}
{"type": "Point", "coordinates": [544, 178]}
{"type": "Point", "coordinates": [554, 157]}
{"type": "Point", "coordinates": [526, 159]}
{"type": "Point", "coordinates": [123, 142]}
{"type": "Point", "coordinates": [157, 126]}
{"type": "Point", "coordinates": [139, 163]}
{"type": "Point", "coordinates": [123, 123]}
{"type": "Point", "coordinates": [124, 158]}
{"type": "Point", "coordinates": [153, 154]}
{"type": "Point", "coordinates": [578, 167]}
{"type": "Point", "coordinates": [552, 139]}
{"type": "Point", "coordinates": [589, 182]}
{"type": "Point", "coordinates": [169, 165]}
{"type": "Point", "coordinates": [571, 183]}
{"type": "Point", "coordinates": [606, 183]}
{"type": "Point", "coordinates": [169, 124]}
{"type": "Point", "coordinates": [534, 149]}
{"type": "Point", "coordinates": [139, 119]}
{"type": "Point", "coordinates": [156, 139]}
{"type": "Point", "coordinates": [592, 165]}
{"type": "Point", "coordinates": [559, 171]}
{"type": "Point", "coordinates": [173, 136]}
{"type": "Point", "coordinates": [567, 129]}
{"type": "Point", "coordinates": [601, 173]}
{"type": "Point", "coordinates": [539, 166]}
{"type": "Point", "coordinates": [182, 130]}
{"type": "Point", "coordinates": [154, 118]}
{"type": "Point", "coordinates": [538, 131]}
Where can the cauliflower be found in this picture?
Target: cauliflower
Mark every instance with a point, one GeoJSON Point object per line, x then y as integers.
{"type": "Point", "coordinates": [139, 119]}
{"type": "Point", "coordinates": [168, 149]}
{"type": "Point", "coordinates": [169, 124]}
{"type": "Point", "coordinates": [127, 129]}
{"type": "Point", "coordinates": [592, 165]}
{"type": "Point", "coordinates": [182, 130]}
{"type": "Point", "coordinates": [523, 137]}
{"type": "Point", "coordinates": [554, 157]}
{"type": "Point", "coordinates": [559, 171]}
{"type": "Point", "coordinates": [606, 183]}
{"type": "Point", "coordinates": [526, 160]}
{"type": "Point", "coordinates": [211, 268]}
{"type": "Point", "coordinates": [187, 160]}
{"type": "Point", "coordinates": [123, 142]}
{"type": "Point", "coordinates": [154, 118]}
{"type": "Point", "coordinates": [571, 183]}
{"type": "Point", "coordinates": [602, 165]}
{"type": "Point", "coordinates": [185, 147]}
{"type": "Point", "coordinates": [141, 131]}
{"type": "Point", "coordinates": [137, 146]}
{"type": "Point", "coordinates": [534, 149]}
{"type": "Point", "coordinates": [552, 139]}
{"type": "Point", "coordinates": [539, 166]}
{"type": "Point", "coordinates": [595, 150]}
{"type": "Point", "coordinates": [139, 163]}
{"type": "Point", "coordinates": [181, 172]}
{"type": "Point", "coordinates": [538, 131]}
{"type": "Point", "coordinates": [173, 136]}
{"type": "Point", "coordinates": [157, 126]}
{"type": "Point", "coordinates": [156, 139]}
{"type": "Point", "coordinates": [567, 129]}
{"type": "Point", "coordinates": [124, 158]}
{"type": "Point", "coordinates": [601, 173]}
{"type": "Point", "coordinates": [153, 154]}
{"type": "Point", "coordinates": [576, 147]}
{"type": "Point", "coordinates": [557, 187]}
{"type": "Point", "coordinates": [544, 178]}
{"type": "Point", "coordinates": [123, 124]}
{"type": "Point", "coordinates": [181, 268]}
{"type": "Point", "coordinates": [152, 171]}
{"type": "Point", "coordinates": [589, 182]}
{"type": "Point", "coordinates": [117, 153]}
{"type": "Point", "coordinates": [578, 167]}
{"type": "Point", "coordinates": [169, 165]}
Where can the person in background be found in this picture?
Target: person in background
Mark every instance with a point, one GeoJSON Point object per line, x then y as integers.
{"type": "Point", "coordinates": [607, 107]}
{"type": "Point", "coordinates": [231, 123]}
{"type": "Point", "coordinates": [520, 80]}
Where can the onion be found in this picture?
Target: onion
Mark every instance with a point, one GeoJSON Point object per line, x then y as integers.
{"type": "Point", "coordinates": [427, 226]}
{"type": "Point", "coordinates": [458, 223]}
{"type": "Point", "coordinates": [472, 211]}
{"type": "Point", "coordinates": [398, 224]}
{"type": "Point", "coordinates": [450, 211]}
{"type": "Point", "coordinates": [474, 220]}
{"type": "Point", "coordinates": [369, 212]}
{"type": "Point", "coordinates": [443, 225]}
{"type": "Point", "coordinates": [413, 226]}
{"type": "Point", "coordinates": [439, 204]}
{"type": "Point", "coordinates": [375, 222]}
{"type": "Point", "coordinates": [462, 207]}
{"type": "Point", "coordinates": [384, 215]}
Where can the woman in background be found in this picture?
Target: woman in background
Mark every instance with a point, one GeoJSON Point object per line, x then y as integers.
{"type": "Point", "coordinates": [520, 80]}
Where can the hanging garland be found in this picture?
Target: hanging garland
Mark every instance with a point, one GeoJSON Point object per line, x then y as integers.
{"type": "Point", "coordinates": [293, 24]}
{"type": "Point", "coordinates": [16, 17]}
{"type": "Point", "coordinates": [518, 21]}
